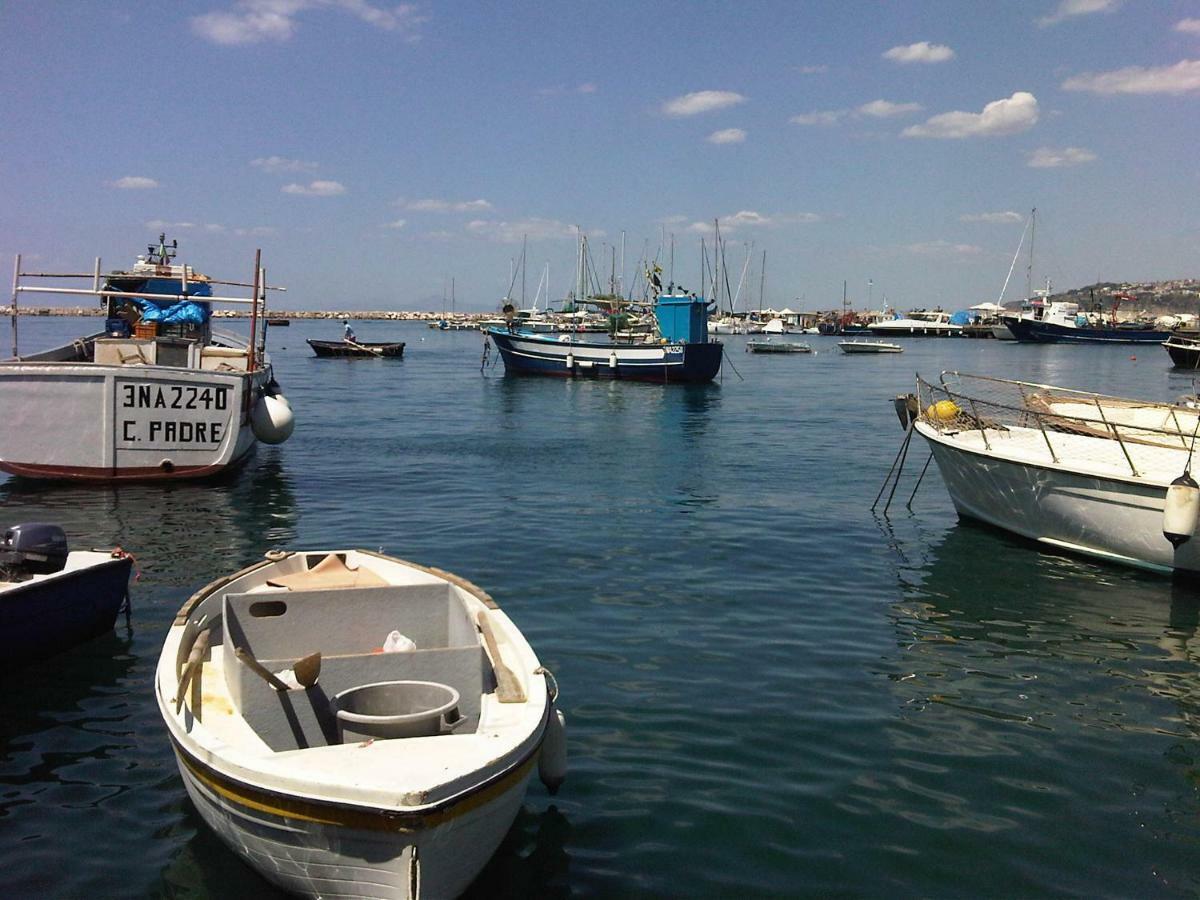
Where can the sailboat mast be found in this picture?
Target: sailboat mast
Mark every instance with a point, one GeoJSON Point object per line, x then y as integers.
{"type": "Point", "coordinates": [1029, 269]}
{"type": "Point", "coordinates": [762, 279]}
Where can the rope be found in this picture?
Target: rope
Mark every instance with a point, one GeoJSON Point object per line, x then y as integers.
{"type": "Point", "coordinates": [725, 356]}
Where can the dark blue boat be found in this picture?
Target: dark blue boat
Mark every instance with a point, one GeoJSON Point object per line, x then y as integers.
{"type": "Point", "coordinates": [1033, 331]}
{"type": "Point", "coordinates": [52, 599]}
{"type": "Point", "coordinates": [683, 354]}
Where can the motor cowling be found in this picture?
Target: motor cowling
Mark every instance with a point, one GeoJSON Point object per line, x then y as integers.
{"type": "Point", "coordinates": [34, 548]}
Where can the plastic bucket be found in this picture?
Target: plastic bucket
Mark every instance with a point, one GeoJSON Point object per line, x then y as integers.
{"type": "Point", "coordinates": [396, 709]}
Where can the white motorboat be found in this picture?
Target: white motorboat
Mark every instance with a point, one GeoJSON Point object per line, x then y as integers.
{"type": "Point", "coordinates": [355, 725]}
{"type": "Point", "coordinates": [1082, 472]}
{"type": "Point", "coordinates": [158, 394]}
{"type": "Point", "coordinates": [767, 345]}
{"type": "Point", "coordinates": [869, 347]}
{"type": "Point", "coordinates": [918, 323]}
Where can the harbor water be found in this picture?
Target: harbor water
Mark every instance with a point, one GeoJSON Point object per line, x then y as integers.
{"type": "Point", "coordinates": [770, 690]}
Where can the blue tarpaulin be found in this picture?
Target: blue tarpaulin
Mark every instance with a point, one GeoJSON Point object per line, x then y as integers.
{"type": "Point", "coordinates": [184, 312]}
{"type": "Point", "coordinates": [962, 317]}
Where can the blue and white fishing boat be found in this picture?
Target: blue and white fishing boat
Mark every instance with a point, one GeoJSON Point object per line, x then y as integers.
{"type": "Point", "coordinates": [680, 351]}
{"type": "Point", "coordinates": [158, 394]}
{"type": "Point", "coordinates": [1062, 322]}
{"type": "Point", "coordinates": [51, 597]}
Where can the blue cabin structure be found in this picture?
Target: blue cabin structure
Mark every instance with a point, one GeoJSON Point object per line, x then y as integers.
{"type": "Point", "coordinates": [682, 318]}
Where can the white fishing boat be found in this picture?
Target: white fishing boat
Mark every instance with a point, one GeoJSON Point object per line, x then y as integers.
{"type": "Point", "coordinates": [1087, 473]}
{"type": "Point", "coordinates": [158, 394]}
{"type": "Point", "coordinates": [354, 725]}
{"type": "Point", "coordinates": [869, 347]}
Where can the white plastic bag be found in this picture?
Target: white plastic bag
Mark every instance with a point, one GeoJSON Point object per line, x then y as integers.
{"type": "Point", "coordinates": [398, 643]}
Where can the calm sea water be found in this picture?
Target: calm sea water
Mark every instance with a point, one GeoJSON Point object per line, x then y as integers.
{"type": "Point", "coordinates": [770, 691]}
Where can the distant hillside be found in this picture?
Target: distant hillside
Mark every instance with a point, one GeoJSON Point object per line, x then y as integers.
{"type": "Point", "coordinates": [1156, 297]}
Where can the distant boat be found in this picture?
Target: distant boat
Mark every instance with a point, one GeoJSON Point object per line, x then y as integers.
{"type": "Point", "coordinates": [1184, 351]}
{"type": "Point", "coordinates": [682, 354]}
{"type": "Point", "coordinates": [356, 349]}
{"type": "Point", "coordinates": [918, 323]}
{"type": "Point", "coordinates": [1061, 322]}
{"type": "Point", "coordinates": [770, 346]}
{"type": "Point", "coordinates": [1102, 476]}
{"type": "Point", "coordinates": [869, 347]}
{"type": "Point", "coordinates": [279, 322]}
{"type": "Point", "coordinates": [51, 597]}
{"type": "Point", "coordinates": [351, 724]}
{"type": "Point", "coordinates": [158, 394]}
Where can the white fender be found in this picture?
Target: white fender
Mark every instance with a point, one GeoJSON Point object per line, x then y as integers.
{"type": "Point", "coordinates": [570, 360]}
{"type": "Point", "coordinates": [612, 360]}
{"type": "Point", "coordinates": [1181, 510]}
{"type": "Point", "coordinates": [271, 419]}
{"type": "Point", "coordinates": [552, 761]}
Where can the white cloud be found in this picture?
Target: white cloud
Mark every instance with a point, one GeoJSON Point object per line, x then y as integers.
{"type": "Point", "coordinates": [883, 109]}
{"type": "Point", "coordinates": [162, 225]}
{"type": "Point", "coordinates": [276, 164]}
{"type": "Point", "coordinates": [256, 231]}
{"type": "Point", "coordinates": [748, 218]}
{"type": "Point", "coordinates": [1070, 9]}
{"type": "Point", "coordinates": [943, 249]}
{"type": "Point", "coordinates": [1188, 26]}
{"type": "Point", "coordinates": [920, 52]}
{"type": "Point", "coordinates": [588, 87]}
{"type": "Point", "coordinates": [431, 204]}
{"type": "Point", "coordinates": [254, 21]}
{"type": "Point", "coordinates": [822, 117]}
{"type": "Point", "coordinates": [727, 136]}
{"type": "Point", "coordinates": [135, 183]}
{"type": "Point", "coordinates": [994, 218]}
{"type": "Point", "coordinates": [701, 102]}
{"type": "Point", "coordinates": [1016, 114]}
{"type": "Point", "coordinates": [536, 229]}
{"type": "Point", "coordinates": [1051, 158]}
{"type": "Point", "coordinates": [397, 224]}
{"type": "Point", "coordinates": [316, 189]}
{"type": "Point", "coordinates": [1181, 78]}
{"type": "Point", "coordinates": [813, 70]}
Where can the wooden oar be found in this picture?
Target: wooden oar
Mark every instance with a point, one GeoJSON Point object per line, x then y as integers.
{"type": "Point", "coordinates": [194, 661]}
{"type": "Point", "coordinates": [374, 350]}
{"type": "Point", "coordinates": [306, 670]}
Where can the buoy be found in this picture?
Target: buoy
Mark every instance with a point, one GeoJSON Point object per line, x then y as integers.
{"type": "Point", "coordinates": [271, 419]}
{"type": "Point", "coordinates": [942, 411]}
{"type": "Point", "coordinates": [612, 360]}
{"type": "Point", "coordinates": [1181, 510]}
{"type": "Point", "coordinates": [552, 761]}
{"type": "Point", "coordinates": [570, 360]}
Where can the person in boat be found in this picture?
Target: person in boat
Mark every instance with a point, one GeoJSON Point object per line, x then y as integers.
{"type": "Point", "coordinates": [348, 337]}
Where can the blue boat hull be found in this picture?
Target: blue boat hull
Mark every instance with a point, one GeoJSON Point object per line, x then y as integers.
{"type": "Point", "coordinates": [1033, 332]}
{"type": "Point", "coordinates": [525, 353]}
{"type": "Point", "coordinates": [44, 617]}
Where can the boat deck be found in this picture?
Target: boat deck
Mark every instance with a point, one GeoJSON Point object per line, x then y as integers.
{"type": "Point", "coordinates": [1087, 454]}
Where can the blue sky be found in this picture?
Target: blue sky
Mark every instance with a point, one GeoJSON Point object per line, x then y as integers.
{"type": "Point", "coordinates": [374, 151]}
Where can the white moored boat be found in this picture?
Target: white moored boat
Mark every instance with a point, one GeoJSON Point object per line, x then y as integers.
{"type": "Point", "coordinates": [869, 347]}
{"type": "Point", "coordinates": [396, 755]}
{"type": "Point", "coordinates": [1088, 473]}
{"type": "Point", "coordinates": [158, 394]}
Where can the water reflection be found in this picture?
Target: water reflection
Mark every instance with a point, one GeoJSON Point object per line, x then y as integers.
{"type": "Point", "coordinates": [181, 532]}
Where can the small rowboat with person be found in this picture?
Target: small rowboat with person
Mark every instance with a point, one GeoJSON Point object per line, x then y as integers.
{"type": "Point", "coordinates": [356, 349]}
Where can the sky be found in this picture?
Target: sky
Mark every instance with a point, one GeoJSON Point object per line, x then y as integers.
{"type": "Point", "coordinates": [376, 151]}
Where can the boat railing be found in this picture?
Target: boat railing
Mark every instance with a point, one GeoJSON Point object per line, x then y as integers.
{"type": "Point", "coordinates": [996, 407]}
{"type": "Point", "coordinates": [257, 301]}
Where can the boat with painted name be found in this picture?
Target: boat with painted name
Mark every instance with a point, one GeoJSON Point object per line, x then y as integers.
{"type": "Point", "coordinates": [159, 394]}
{"type": "Point", "coordinates": [352, 724]}
{"type": "Point", "coordinates": [1106, 477]}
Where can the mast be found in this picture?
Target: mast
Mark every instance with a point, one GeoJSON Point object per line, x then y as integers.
{"type": "Point", "coordinates": [452, 295]}
{"type": "Point", "coordinates": [1029, 269]}
{"type": "Point", "coordinates": [762, 278]}
{"type": "Point", "coordinates": [524, 240]}
{"type": "Point", "coordinates": [16, 282]}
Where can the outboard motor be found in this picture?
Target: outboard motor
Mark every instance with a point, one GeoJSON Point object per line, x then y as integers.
{"type": "Point", "coordinates": [32, 548]}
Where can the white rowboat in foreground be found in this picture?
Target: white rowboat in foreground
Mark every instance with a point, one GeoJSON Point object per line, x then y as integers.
{"type": "Point", "coordinates": [351, 782]}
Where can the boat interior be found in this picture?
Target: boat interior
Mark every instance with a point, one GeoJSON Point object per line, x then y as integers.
{"type": "Point", "coordinates": [280, 625]}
